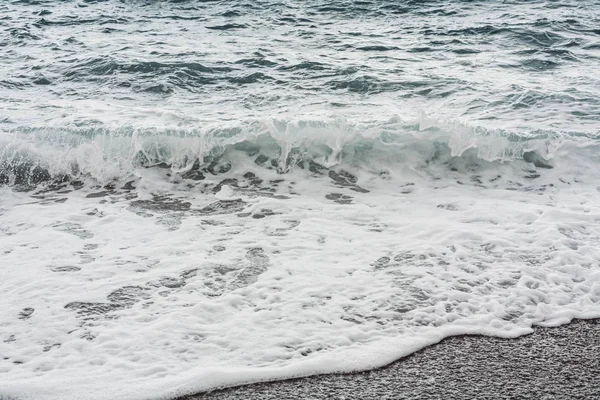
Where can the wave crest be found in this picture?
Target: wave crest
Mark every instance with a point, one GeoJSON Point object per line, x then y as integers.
{"type": "Point", "coordinates": [32, 155]}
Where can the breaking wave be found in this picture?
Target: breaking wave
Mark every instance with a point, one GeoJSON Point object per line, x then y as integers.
{"type": "Point", "coordinates": [29, 156]}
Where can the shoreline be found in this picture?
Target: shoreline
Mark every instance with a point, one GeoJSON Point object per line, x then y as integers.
{"type": "Point", "coordinates": [550, 363]}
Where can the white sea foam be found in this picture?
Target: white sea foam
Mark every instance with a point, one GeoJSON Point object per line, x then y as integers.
{"type": "Point", "coordinates": [183, 188]}
{"type": "Point", "coordinates": [189, 286]}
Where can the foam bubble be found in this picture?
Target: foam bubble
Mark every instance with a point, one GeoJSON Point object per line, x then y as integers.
{"type": "Point", "coordinates": [166, 286]}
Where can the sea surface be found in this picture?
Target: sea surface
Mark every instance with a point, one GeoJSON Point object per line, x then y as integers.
{"type": "Point", "coordinates": [198, 194]}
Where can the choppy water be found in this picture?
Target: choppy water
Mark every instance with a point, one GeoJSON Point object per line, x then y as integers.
{"type": "Point", "coordinates": [197, 194]}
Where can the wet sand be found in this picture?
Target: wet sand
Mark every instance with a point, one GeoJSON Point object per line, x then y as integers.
{"type": "Point", "coordinates": [551, 363]}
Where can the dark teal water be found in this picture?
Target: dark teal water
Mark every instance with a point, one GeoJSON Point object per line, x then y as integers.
{"type": "Point", "coordinates": [79, 72]}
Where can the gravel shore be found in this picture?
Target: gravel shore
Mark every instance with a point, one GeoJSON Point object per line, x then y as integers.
{"type": "Point", "coordinates": [551, 363]}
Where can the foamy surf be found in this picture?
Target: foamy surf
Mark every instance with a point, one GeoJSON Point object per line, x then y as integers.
{"type": "Point", "coordinates": [104, 153]}
{"type": "Point", "coordinates": [203, 194]}
{"type": "Point", "coordinates": [165, 283]}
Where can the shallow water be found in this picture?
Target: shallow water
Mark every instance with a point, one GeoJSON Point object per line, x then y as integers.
{"type": "Point", "coordinates": [200, 194]}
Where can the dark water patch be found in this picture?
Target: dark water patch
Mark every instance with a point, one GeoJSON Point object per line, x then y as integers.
{"type": "Point", "coordinates": [421, 49]}
{"type": "Point", "coordinates": [225, 182]}
{"type": "Point", "coordinates": [438, 11]}
{"type": "Point", "coordinates": [155, 89]}
{"type": "Point", "coordinates": [383, 263]}
{"type": "Point", "coordinates": [253, 180]}
{"type": "Point", "coordinates": [195, 172]}
{"type": "Point", "coordinates": [11, 339]}
{"type": "Point", "coordinates": [124, 297]}
{"type": "Point", "coordinates": [332, 8]}
{"type": "Point", "coordinates": [49, 347]}
{"type": "Point", "coordinates": [91, 310]}
{"type": "Point", "coordinates": [22, 34]}
{"type": "Point", "coordinates": [26, 313]}
{"type": "Point", "coordinates": [264, 212]}
{"type": "Point", "coordinates": [563, 54]}
{"type": "Point", "coordinates": [532, 176]}
{"type": "Point", "coordinates": [465, 51]}
{"type": "Point", "coordinates": [217, 167]}
{"type": "Point", "coordinates": [190, 273]}
{"type": "Point", "coordinates": [305, 65]}
{"type": "Point", "coordinates": [226, 27]}
{"type": "Point", "coordinates": [395, 8]}
{"type": "Point", "coordinates": [339, 198]}
{"type": "Point", "coordinates": [537, 64]}
{"type": "Point", "coordinates": [67, 268]}
{"type": "Point", "coordinates": [42, 81]}
{"type": "Point", "coordinates": [363, 85]}
{"type": "Point", "coordinates": [407, 188]}
{"type": "Point", "coordinates": [162, 203]}
{"type": "Point", "coordinates": [231, 13]}
{"type": "Point", "coordinates": [194, 175]}
{"type": "Point", "coordinates": [249, 79]}
{"type": "Point", "coordinates": [108, 66]}
{"type": "Point", "coordinates": [536, 37]}
{"type": "Point", "coordinates": [257, 62]}
{"type": "Point", "coordinates": [222, 207]}
{"type": "Point", "coordinates": [115, 21]}
{"type": "Point", "coordinates": [377, 48]}
{"type": "Point", "coordinates": [66, 21]}
{"type": "Point", "coordinates": [484, 30]}
{"type": "Point", "coordinates": [343, 178]}
{"type": "Point", "coordinates": [449, 207]}
{"type": "Point", "coordinates": [10, 84]}
{"type": "Point", "coordinates": [23, 173]}
{"type": "Point", "coordinates": [257, 256]}
{"type": "Point", "coordinates": [128, 186]}
{"type": "Point", "coordinates": [346, 179]}
{"type": "Point", "coordinates": [172, 283]}
{"type": "Point", "coordinates": [97, 66]}
{"type": "Point", "coordinates": [250, 185]}
{"type": "Point", "coordinates": [261, 159]}
{"type": "Point", "coordinates": [537, 160]}
{"type": "Point", "coordinates": [312, 166]}
{"type": "Point", "coordinates": [103, 193]}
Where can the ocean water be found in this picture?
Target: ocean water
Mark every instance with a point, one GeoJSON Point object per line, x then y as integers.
{"type": "Point", "coordinates": [197, 194]}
